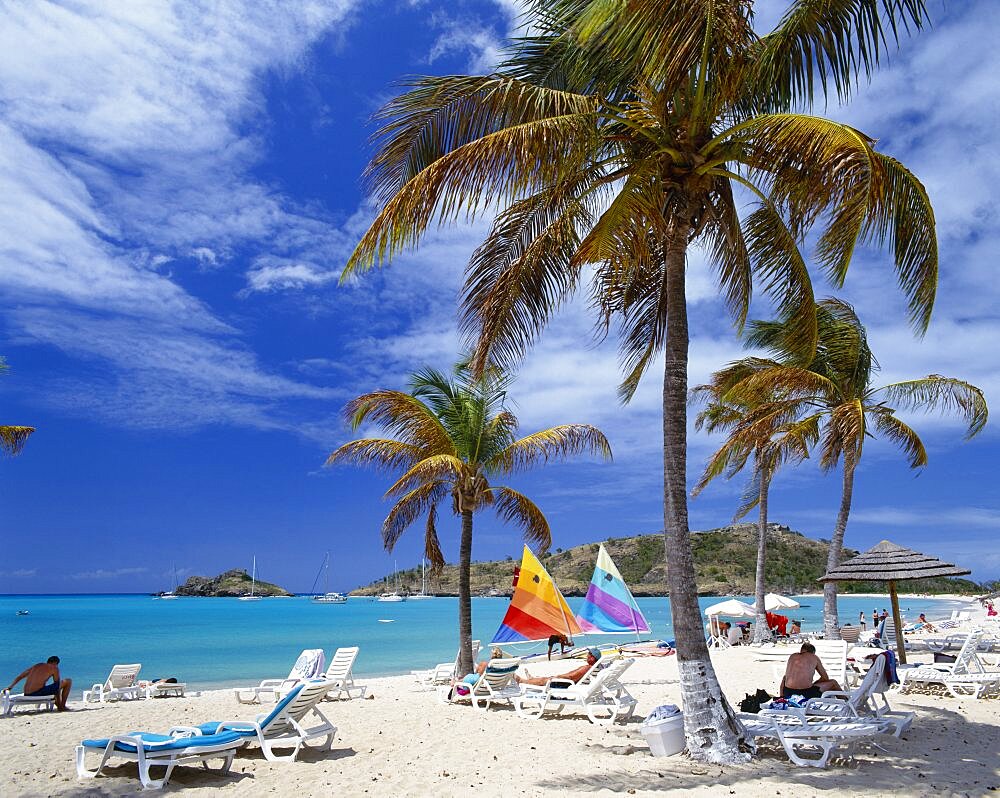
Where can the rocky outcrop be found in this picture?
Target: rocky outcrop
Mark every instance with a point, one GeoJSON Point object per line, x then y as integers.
{"type": "Point", "coordinates": [229, 584]}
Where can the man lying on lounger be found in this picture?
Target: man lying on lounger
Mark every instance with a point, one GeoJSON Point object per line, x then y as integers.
{"type": "Point", "coordinates": [798, 678]}
{"type": "Point", "coordinates": [36, 678]}
{"type": "Point", "coordinates": [593, 654]}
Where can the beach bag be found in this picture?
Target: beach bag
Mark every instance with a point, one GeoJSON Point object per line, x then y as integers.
{"type": "Point", "coordinates": [753, 701]}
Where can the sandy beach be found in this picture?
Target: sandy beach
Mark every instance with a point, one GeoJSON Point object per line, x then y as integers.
{"type": "Point", "coordinates": [404, 742]}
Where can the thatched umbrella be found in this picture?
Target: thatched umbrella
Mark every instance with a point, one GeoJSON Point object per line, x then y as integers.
{"type": "Point", "coordinates": [890, 563]}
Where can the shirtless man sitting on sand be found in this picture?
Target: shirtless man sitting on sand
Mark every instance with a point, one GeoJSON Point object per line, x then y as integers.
{"type": "Point", "coordinates": [798, 678]}
{"type": "Point", "coordinates": [36, 678]}
{"type": "Point", "coordinates": [593, 654]}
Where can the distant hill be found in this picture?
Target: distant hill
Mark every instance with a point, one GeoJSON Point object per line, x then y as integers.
{"type": "Point", "coordinates": [725, 561]}
{"type": "Point", "coordinates": [228, 584]}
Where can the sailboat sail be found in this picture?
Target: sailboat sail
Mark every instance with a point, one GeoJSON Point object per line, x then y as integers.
{"type": "Point", "coordinates": [610, 606]}
{"type": "Point", "coordinates": [537, 608]}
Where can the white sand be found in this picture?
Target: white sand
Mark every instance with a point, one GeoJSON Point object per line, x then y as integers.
{"type": "Point", "coordinates": [405, 743]}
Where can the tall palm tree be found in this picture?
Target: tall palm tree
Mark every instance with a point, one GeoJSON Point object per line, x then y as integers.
{"type": "Point", "coordinates": [450, 436]}
{"type": "Point", "coordinates": [619, 134]}
{"type": "Point", "coordinates": [836, 389]}
{"type": "Point", "coordinates": [769, 432]}
{"type": "Point", "coordinates": [12, 437]}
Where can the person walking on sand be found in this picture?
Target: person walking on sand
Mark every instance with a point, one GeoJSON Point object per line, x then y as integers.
{"type": "Point", "coordinates": [36, 682]}
{"type": "Point", "coordinates": [861, 620]}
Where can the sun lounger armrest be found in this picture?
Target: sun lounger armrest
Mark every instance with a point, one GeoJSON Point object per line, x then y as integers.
{"type": "Point", "coordinates": [835, 694]}
{"type": "Point", "coordinates": [270, 684]}
{"type": "Point", "coordinates": [239, 725]}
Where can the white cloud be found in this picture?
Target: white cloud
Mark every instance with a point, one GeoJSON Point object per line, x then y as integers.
{"type": "Point", "coordinates": [127, 132]}
{"type": "Point", "coordinates": [102, 573]}
{"type": "Point", "coordinates": [19, 573]}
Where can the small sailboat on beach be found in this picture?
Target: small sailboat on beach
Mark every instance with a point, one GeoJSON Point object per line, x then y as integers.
{"type": "Point", "coordinates": [537, 609]}
{"type": "Point", "coordinates": [253, 582]}
{"type": "Point", "coordinates": [610, 607]}
{"type": "Point", "coordinates": [329, 597]}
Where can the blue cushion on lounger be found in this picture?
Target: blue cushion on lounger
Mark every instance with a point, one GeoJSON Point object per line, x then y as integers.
{"type": "Point", "coordinates": [211, 726]}
{"type": "Point", "coordinates": [162, 742]}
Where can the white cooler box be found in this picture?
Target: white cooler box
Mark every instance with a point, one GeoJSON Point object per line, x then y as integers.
{"type": "Point", "coordinates": [665, 735]}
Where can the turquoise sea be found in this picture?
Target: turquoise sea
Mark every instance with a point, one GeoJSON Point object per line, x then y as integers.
{"type": "Point", "coordinates": [216, 642]}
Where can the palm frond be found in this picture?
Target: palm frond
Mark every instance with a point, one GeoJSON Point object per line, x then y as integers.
{"type": "Point", "coordinates": [890, 427]}
{"type": "Point", "coordinates": [436, 468]}
{"type": "Point", "coordinates": [513, 507]}
{"type": "Point", "coordinates": [381, 453]}
{"type": "Point", "coordinates": [402, 415]}
{"type": "Point", "coordinates": [555, 443]}
{"type": "Point", "coordinates": [432, 544]}
{"type": "Point", "coordinates": [408, 509]}
{"type": "Point", "coordinates": [941, 394]}
{"type": "Point", "coordinates": [13, 438]}
{"type": "Point", "coordinates": [844, 435]}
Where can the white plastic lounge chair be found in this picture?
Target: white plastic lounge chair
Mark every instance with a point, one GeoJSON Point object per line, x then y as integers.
{"type": "Point", "coordinates": [850, 634]}
{"type": "Point", "coordinates": [159, 750]}
{"type": "Point", "coordinates": [309, 665]}
{"type": "Point", "coordinates": [11, 701]}
{"type": "Point", "coordinates": [603, 697]}
{"type": "Point", "coordinates": [444, 672]}
{"type": "Point", "coordinates": [798, 736]}
{"type": "Point", "coordinates": [164, 689]}
{"type": "Point", "coordinates": [339, 673]}
{"type": "Point", "coordinates": [833, 655]}
{"type": "Point", "coordinates": [866, 702]}
{"type": "Point", "coordinates": [120, 684]}
{"type": "Point", "coordinates": [283, 726]}
{"type": "Point", "coordinates": [496, 683]}
{"type": "Point", "coordinates": [964, 677]}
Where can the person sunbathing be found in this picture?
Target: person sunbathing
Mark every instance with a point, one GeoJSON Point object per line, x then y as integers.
{"type": "Point", "coordinates": [798, 678]}
{"type": "Point", "coordinates": [36, 682]}
{"type": "Point", "coordinates": [593, 655]}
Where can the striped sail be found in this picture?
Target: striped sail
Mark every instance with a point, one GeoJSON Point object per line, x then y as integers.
{"type": "Point", "coordinates": [609, 605]}
{"type": "Point", "coordinates": [537, 609]}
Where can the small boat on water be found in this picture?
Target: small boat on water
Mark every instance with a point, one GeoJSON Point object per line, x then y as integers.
{"type": "Point", "coordinates": [23, 612]}
{"type": "Point", "coordinates": [423, 583]}
{"type": "Point", "coordinates": [330, 596]}
{"type": "Point", "coordinates": [393, 596]}
{"type": "Point", "coordinates": [253, 582]}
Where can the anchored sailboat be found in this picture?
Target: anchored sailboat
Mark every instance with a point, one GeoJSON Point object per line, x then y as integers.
{"type": "Point", "coordinates": [328, 597]}
{"type": "Point", "coordinates": [395, 595]}
{"type": "Point", "coordinates": [423, 582]}
{"type": "Point", "coordinates": [253, 582]}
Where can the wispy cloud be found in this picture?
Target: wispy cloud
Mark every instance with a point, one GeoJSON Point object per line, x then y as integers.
{"type": "Point", "coordinates": [127, 139]}
{"type": "Point", "coordinates": [19, 573]}
{"type": "Point", "coordinates": [112, 573]}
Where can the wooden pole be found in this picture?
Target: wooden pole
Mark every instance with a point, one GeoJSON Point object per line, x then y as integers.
{"type": "Point", "coordinates": [900, 645]}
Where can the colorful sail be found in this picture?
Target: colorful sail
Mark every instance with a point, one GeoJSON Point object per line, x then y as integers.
{"type": "Point", "coordinates": [609, 605]}
{"type": "Point", "coordinates": [537, 608]}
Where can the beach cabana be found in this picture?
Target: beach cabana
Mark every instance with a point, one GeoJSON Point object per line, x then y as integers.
{"type": "Point", "coordinates": [890, 563]}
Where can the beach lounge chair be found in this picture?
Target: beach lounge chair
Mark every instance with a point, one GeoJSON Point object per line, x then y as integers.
{"type": "Point", "coordinates": [496, 683]}
{"type": "Point", "coordinates": [833, 655]}
{"type": "Point", "coordinates": [602, 696]}
{"type": "Point", "coordinates": [339, 673]}
{"type": "Point", "coordinates": [799, 736]}
{"type": "Point", "coordinates": [444, 672]}
{"type": "Point", "coordinates": [866, 702]}
{"type": "Point", "coordinates": [11, 701]}
{"type": "Point", "coordinates": [159, 750]}
{"type": "Point", "coordinates": [120, 684]}
{"type": "Point", "coordinates": [309, 665]}
{"type": "Point", "coordinates": [283, 726]}
{"type": "Point", "coordinates": [964, 677]}
{"type": "Point", "coordinates": [850, 634]}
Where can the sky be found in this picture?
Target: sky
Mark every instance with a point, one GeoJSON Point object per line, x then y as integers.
{"type": "Point", "coordinates": [180, 186]}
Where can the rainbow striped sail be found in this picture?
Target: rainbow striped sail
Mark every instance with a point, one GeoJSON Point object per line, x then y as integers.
{"type": "Point", "coordinates": [537, 608]}
{"type": "Point", "coordinates": [610, 606]}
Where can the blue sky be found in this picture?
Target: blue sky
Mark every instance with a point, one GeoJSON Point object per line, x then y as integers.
{"type": "Point", "coordinates": [179, 188]}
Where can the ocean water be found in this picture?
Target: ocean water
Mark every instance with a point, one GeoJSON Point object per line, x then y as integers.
{"type": "Point", "coordinates": [218, 642]}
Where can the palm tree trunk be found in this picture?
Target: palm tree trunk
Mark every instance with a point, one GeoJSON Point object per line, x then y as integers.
{"type": "Point", "coordinates": [712, 732]}
{"type": "Point", "coordinates": [465, 663]}
{"type": "Point", "coordinates": [760, 623]}
{"type": "Point", "coordinates": [831, 621]}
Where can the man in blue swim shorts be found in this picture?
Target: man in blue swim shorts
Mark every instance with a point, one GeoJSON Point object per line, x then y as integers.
{"type": "Point", "coordinates": [36, 682]}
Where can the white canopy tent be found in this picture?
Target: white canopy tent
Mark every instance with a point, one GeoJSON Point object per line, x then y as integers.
{"type": "Point", "coordinates": [774, 601]}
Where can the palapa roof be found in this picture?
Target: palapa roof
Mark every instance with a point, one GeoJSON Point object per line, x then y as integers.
{"type": "Point", "coordinates": [888, 562]}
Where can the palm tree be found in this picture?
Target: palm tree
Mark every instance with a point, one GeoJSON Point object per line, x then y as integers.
{"type": "Point", "coordinates": [450, 436]}
{"type": "Point", "coordinates": [12, 437]}
{"type": "Point", "coordinates": [616, 136]}
{"type": "Point", "coordinates": [768, 431]}
{"type": "Point", "coordinates": [836, 389]}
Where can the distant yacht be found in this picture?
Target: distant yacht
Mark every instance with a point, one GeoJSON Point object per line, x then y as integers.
{"type": "Point", "coordinates": [253, 582]}
{"type": "Point", "coordinates": [423, 582]}
{"type": "Point", "coordinates": [394, 595]}
{"type": "Point", "coordinates": [329, 597]}
{"type": "Point", "coordinates": [170, 594]}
